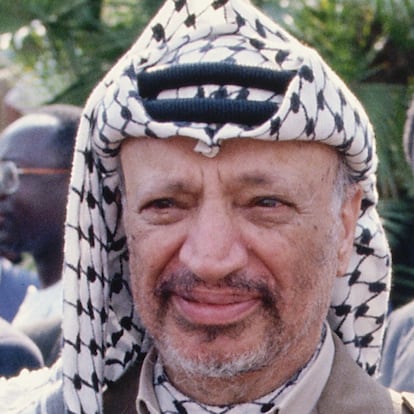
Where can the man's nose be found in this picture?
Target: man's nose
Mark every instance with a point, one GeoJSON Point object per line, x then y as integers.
{"type": "Point", "coordinates": [214, 247]}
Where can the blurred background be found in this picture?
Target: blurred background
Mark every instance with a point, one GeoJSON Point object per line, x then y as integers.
{"type": "Point", "coordinates": [55, 51]}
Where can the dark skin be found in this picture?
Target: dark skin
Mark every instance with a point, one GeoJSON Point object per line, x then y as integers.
{"type": "Point", "coordinates": [32, 219]}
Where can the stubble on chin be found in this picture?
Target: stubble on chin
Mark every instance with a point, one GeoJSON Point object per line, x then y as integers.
{"type": "Point", "coordinates": [216, 363]}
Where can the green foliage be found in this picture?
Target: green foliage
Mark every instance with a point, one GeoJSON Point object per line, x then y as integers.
{"type": "Point", "coordinates": [344, 36]}
{"type": "Point", "coordinates": [386, 106]}
{"type": "Point", "coordinates": [364, 40]}
{"type": "Point", "coordinates": [70, 45]}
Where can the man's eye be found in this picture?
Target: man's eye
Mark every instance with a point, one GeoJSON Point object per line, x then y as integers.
{"type": "Point", "coordinates": [268, 202]}
{"type": "Point", "coordinates": [160, 203]}
{"type": "Point", "coordinates": [163, 211]}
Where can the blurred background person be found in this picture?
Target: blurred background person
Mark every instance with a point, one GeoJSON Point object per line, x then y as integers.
{"type": "Point", "coordinates": [14, 281]}
{"type": "Point", "coordinates": [36, 154]}
{"type": "Point", "coordinates": [17, 351]}
{"type": "Point", "coordinates": [397, 362]}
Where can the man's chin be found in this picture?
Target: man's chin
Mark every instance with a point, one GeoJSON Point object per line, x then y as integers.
{"type": "Point", "coordinates": [218, 353]}
{"type": "Point", "coordinates": [214, 364]}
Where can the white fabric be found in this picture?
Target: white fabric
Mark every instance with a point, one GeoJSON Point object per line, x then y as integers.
{"type": "Point", "coordinates": [30, 392]}
{"type": "Point", "coordinates": [39, 305]}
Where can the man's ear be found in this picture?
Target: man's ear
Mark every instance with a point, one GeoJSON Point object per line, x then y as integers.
{"type": "Point", "coordinates": [350, 210]}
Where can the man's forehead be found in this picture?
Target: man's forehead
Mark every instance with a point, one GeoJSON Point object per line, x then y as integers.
{"type": "Point", "coordinates": [256, 147]}
{"type": "Point", "coordinates": [251, 161]}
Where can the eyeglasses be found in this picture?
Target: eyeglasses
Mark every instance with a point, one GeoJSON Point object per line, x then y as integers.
{"type": "Point", "coordinates": [10, 173]}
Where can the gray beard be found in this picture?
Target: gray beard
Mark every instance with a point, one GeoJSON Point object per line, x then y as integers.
{"type": "Point", "coordinates": [227, 366]}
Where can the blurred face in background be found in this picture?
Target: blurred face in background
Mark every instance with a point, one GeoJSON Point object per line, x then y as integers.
{"type": "Point", "coordinates": [32, 216]}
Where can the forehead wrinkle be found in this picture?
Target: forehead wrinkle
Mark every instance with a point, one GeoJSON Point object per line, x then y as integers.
{"type": "Point", "coordinates": [179, 186]}
{"type": "Point", "coordinates": [256, 179]}
{"type": "Point", "coordinates": [260, 179]}
{"type": "Point", "coordinates": [173, 186]}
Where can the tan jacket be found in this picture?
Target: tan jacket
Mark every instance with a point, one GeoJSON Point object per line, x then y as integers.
{"type": "Point", "coordinates": [350, 390]}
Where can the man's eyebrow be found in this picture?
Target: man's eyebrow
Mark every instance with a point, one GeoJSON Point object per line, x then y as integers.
{"type": "Point", "coordinates": [258, 178]}
{"type": "Point", "coordinates": [169, 186]}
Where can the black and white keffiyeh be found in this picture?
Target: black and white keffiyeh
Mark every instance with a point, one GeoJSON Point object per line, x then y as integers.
{"type": "Point", "coordinates": [297, 395]}
{"type": "Point", "coordinates": [195, 62]}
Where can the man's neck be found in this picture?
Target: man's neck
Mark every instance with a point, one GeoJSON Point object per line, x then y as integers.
{"type": "Point", "coordinates": [126, 388]}
{"type": "Point", "coordinates": [49, 268]}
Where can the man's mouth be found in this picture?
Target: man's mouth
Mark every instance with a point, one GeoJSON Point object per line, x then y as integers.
{"type": "Point", "coordinates": [215, 307]}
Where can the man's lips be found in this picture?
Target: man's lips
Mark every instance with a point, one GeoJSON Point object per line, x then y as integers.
{"type": "Point", "coordinates": [215, 308]}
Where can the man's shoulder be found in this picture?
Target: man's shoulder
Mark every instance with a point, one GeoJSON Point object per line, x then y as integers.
{"type": "Point", "coordinates": [351, 390]}
{"type": "Point", "coordinates": [402, 318]}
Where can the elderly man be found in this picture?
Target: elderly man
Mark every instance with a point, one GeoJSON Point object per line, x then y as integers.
{"type": "Point", "coordinates": [223, 251]}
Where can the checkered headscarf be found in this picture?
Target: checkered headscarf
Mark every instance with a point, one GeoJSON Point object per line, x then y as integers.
{"type": "Point", "coordinates": [209, 70]}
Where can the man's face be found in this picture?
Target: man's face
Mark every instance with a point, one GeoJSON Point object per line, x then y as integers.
{"type": "Point", "coordinates": [31, 219]}
{"type": "Point", "coordinates": [232, 258]}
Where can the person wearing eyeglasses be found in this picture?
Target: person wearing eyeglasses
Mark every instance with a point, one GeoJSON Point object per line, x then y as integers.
{"type": "Point", "coordinates": [36, 154]}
